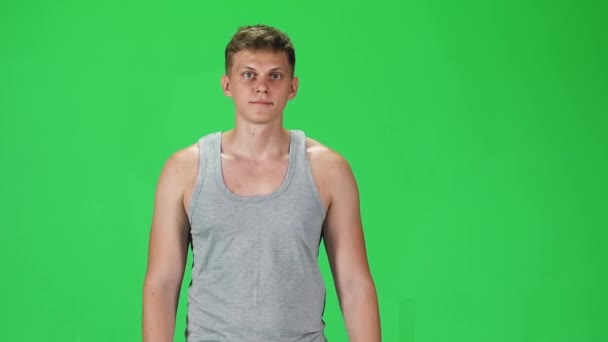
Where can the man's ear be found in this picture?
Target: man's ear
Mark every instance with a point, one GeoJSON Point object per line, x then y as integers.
{"type": "Point", "coordinates": [225, 82]}
{"type": "Point", "coordinates": [294, 87]}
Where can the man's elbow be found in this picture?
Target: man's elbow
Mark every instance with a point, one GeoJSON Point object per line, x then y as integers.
{"type": "Point", "coordinates": [355, 290]}
{"type": "Point", "coordinates": [155, 285]}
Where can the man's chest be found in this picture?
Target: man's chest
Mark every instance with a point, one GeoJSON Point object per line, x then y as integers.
{"type": "Point", "coordinates": [253, 178]}
{"type": "Point", "coordinates": [245, 178]}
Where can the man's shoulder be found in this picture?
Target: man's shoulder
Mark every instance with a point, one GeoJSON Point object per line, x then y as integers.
{"type": "Point", "coordinates": [182, 166]}
{"type": "Point", "coordinates": [187, 156]}
{"type": "Point", "coordinates": [325, 159]}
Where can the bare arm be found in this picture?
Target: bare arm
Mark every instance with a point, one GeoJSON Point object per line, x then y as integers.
{"type": "Point", "coordinates": [345, 245]}
{"type": "Point", "coordinates": [167, 251]}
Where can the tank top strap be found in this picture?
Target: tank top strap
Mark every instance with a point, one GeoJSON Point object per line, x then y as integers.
{"type": "Point", "coordinates": [205, 158]}
{"type": "Point", "coordinates": [299, 145]}
{"type": "Point", "coordinates": [209, 146]}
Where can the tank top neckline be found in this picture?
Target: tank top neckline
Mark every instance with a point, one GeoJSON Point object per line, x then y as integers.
{"type": "Point", "coordinates": [219, 175]}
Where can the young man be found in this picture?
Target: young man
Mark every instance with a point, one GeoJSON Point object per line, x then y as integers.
{"type": "Point", "coordinates": [254, 202]}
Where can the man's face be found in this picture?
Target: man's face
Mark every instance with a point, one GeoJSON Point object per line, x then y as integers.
{"type": "Point", "coordinates": [260, 84]}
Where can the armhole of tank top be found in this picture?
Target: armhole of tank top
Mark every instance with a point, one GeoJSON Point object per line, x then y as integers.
{"type": "Point", "coordinates": [311, 178]}
{"type": "Point", "coordinates": [200, 177]}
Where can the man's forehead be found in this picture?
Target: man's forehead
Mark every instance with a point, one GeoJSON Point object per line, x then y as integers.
{"type": "Point", "coordinates": [263, 58]}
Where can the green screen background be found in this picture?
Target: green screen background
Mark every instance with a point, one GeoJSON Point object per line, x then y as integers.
{"type": "Point", "coordinates": [477, 131]}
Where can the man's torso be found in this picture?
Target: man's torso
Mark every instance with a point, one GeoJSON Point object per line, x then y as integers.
{"type": "Point", "coordinates": [248, 178]}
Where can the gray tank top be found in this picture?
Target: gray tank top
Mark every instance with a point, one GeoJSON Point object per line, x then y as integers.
{"type": "Point", "coordinates": [255, 275]}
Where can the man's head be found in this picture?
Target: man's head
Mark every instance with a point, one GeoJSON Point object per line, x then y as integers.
{"type": "Point", "coordinates": [259, 77]}
{"type": "Point", "coordinates": [260, 38]}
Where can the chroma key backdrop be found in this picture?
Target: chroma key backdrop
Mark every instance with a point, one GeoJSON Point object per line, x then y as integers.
{"type": "Point", "coordinates": [477, 131]}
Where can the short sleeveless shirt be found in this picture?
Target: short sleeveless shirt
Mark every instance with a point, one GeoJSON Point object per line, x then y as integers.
{"type": "Point", "coordinates": [255, 274]}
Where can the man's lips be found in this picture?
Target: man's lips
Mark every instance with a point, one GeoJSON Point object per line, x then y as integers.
{"type": "Point", "coordinates": [261, 102]}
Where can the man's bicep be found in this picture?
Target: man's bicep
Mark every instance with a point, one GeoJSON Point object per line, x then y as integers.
{"type": "Point", "coordinates": [168, 245]}
{"type": "Point", "coordinates": [343, 232]}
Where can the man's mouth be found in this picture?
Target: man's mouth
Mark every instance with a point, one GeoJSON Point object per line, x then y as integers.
{"type": "Point", "coordinates": [268, 103]}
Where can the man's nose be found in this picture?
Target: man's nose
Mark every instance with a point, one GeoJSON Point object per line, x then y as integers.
{"type": "Point", "coordinates": [261, 87]}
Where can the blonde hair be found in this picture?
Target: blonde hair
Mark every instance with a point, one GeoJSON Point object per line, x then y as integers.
{"type": "Point", "coordinates": [260, 37]}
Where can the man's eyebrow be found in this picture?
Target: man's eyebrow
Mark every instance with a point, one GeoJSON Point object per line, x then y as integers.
{"type": "Point", "coordinates": [252, 68]}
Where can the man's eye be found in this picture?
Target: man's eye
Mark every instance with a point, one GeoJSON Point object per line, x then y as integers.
{"type": "Point", "coordinates": [276, 76]}
{"type": "Point", "coordinates": [248, 74]}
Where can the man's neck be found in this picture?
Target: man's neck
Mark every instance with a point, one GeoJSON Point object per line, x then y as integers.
{"type": "Point", "coordinates": [256, 141]}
